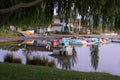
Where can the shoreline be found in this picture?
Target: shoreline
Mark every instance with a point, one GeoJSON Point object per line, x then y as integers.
{"type": "Point", "coordinates": [3, 39]}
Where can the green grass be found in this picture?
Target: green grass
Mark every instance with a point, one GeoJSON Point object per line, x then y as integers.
{"type": "Point", "coordinates": [10, 71]}
{"type": "Point", "coordinates": [8, 33]}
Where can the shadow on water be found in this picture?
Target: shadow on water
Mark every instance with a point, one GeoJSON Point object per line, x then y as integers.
{"type": "Point", "coordinates": [94, 53]}
{"type": "Point", "coordinates": [66, 62]}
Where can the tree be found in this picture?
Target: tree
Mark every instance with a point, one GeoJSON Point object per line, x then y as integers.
{"type": "Point", "coordinates": [17, 6]}
{"type": "Point", "coordinates": [25, 12]}
{"type": "Point", "coordinates": [40, 12]}
{"type": "Point", "coordinates": [94, 52]}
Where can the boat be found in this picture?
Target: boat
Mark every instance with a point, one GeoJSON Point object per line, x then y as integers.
{"type": "Point", "coordinates": [26, 33]}
{"type": "Point", "coordinates": [78, 42]}
{"type": "Point", "coordinates": [116, 40]}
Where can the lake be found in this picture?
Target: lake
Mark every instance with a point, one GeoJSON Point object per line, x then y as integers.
{"type": "Point", "coordinates": [93, 58]}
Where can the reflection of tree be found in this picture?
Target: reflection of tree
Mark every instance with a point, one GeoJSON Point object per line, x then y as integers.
{"type": "Point", "coordinates": [94, 50]}
{"type": "Point", "coordinates": [66, 62]}
{"type": "Point", "coordinates": [27, 53]}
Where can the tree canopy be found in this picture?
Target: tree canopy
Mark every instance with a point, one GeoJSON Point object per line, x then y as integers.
{"type": "Point", "coordinates": [41, 12]}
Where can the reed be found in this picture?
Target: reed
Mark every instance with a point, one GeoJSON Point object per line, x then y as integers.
{"type": "Point", "coordinates": [8, 58]}
{"type": "Point", "coordinates": [17, 60]}
{"type": "Point", "coordinates": [45, 61]}
{"type": "Point", "coordinates": [52, 64]}
{"type": "Point", "coordinates": [40, 61]}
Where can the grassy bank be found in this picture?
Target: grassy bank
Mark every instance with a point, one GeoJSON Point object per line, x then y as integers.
{"type": "Point", "coordinates": [7, 33]}
{"type": "Point", "coordinates": [27, 72]}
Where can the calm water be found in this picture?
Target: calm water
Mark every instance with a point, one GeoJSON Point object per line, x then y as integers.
{"type": "Point", "coordinates": [94, 58]}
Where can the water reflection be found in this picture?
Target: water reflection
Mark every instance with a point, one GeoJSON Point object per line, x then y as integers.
{"type": "Point", "coordinates": [11, 46]}
{"type": "Point", "coordinates": [88, 59]}
{"type": "Point", "coordinates": [94, 52]}
{"type": "Point", "coordinates": [66, 62]}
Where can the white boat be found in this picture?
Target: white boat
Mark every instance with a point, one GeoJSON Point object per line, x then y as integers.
{"type": "Point", "coordinates": [26, 33]}
{"type": "Point", "coordinates": [116, 40]}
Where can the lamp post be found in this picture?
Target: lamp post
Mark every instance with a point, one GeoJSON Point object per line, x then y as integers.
{"type": "Point", "coordinates": [79, 18]}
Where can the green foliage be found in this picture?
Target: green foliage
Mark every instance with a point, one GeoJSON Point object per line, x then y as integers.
{"type": "Point", "coordinates": [42, 13]}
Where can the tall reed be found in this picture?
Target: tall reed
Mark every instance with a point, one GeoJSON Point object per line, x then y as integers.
{"type": "Point", "coordinates": [9, 58]}
{"type": "Point", "coordinates": [41, 61]}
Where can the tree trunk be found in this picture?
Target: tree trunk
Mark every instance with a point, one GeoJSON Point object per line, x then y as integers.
{"type": "Point", "coordinates": [96, 21]}
{"type": "Point", "coordinates": [117, 23]}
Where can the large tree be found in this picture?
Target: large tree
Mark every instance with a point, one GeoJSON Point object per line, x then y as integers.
{"type": "Point", "coordinates": [26, 12]}
{"type": "Point", "coordinates": [40, 12]}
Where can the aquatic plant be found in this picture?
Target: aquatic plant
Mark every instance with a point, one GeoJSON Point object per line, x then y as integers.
{"type": "Point", "coordinates": [34, 61]}
{"type": "Point", "coordinates": [52, 64]}
{"type": "Point", "coordinates": [8, 58]}
{"type": "Point", "coordinates": [17, 60]}
{"type": "Point", "coordinates": [45, 61]}
{"type": "Point", "coordinates": [40, 61]}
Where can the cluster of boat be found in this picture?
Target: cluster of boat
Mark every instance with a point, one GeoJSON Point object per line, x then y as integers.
{"type": "Point", "coordinates": [67, 43]}
{"type": "Point", "coordinates": [79, 41]}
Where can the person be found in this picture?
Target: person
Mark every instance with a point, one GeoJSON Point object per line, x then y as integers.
{"type": "Point", "coordinates": [88, 31]}
{"type": "Point", "coordinates": [48, 46]}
